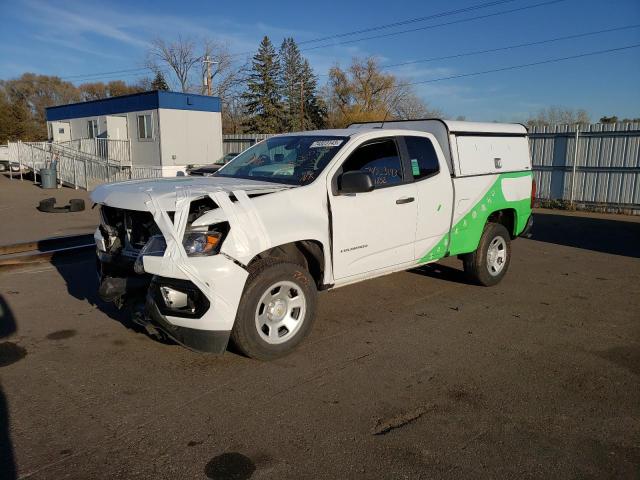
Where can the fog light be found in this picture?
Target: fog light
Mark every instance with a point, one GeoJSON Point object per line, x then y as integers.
{"type": "Point", "coordinates": [174, 299]}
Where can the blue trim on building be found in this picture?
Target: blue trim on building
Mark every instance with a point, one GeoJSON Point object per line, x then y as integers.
{"type": "Point", "coordinates": [134, 103]}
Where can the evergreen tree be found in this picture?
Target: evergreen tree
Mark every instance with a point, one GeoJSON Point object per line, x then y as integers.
{"type": "Point", "coordinates": [159, 82]}
{"type": "Point", "coordinates": [302, 108]}
{"type": "Point", "coordinates": [291, 82]}
{"type": "Point", "coordinates": [315, 110]}
{"type": "Point", "coordinates": [262, 98]}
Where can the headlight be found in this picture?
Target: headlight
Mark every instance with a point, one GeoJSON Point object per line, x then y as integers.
{"type": "Point", "coordinates": [201, 244]}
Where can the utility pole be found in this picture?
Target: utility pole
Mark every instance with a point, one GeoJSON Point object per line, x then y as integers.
{"type": "Point", "coordinates": [208, 78]}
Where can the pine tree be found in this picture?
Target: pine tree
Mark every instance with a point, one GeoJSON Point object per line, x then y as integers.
{"type": "Point", "coordinates": [262, 98]}
{"type": "Point", "coordinates": [159, 83]}
{"type": "Point", "coordinates": [291, 82]}
{"type": "Point", "coordinates": [315, 110]}
{"type": "Point", "coordinates": [303, 110]}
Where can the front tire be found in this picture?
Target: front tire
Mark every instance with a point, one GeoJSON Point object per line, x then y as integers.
{"type": "Point", "coordinates": [490, 262]}
{"type": "Point", "coordinates": [276, 311]}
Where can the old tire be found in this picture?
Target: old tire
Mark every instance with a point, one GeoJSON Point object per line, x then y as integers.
{"type": "Point", "coordinates": [276, 311]}
{"type": "Point", "coordinates": [490, 262]}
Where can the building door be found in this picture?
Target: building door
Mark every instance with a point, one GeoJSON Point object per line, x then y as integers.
{"type": "Point", "coordinates": [60, 131]}
{"type": "Point", "coordinates": [117, 127]}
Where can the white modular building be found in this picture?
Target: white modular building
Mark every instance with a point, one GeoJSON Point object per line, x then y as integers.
{"type": "Point", "coordinates": [169, 130]}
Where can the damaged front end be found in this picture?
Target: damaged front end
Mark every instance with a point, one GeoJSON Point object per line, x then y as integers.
{"type": "Point", "coordinates": [156, 295]}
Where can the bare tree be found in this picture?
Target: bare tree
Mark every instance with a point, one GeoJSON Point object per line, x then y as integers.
{"type": "Point", "coordinates": [556, 115]}
{"type": "Point", "coordinates": [180, 56]}
{"type": "Point", "coordinates": [365, 93]}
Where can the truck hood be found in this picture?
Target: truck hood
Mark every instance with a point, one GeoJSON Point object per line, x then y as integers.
{"type": "Point", "coordinates": [134, 194]}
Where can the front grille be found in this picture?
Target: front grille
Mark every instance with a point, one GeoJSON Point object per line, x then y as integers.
{"type": "Point", "coordinates": [131, 227]}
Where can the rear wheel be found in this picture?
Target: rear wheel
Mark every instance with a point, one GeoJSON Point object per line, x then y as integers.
{"type": "Point", "coordinates": [490, 262]}
{"type": "Point", "coordinates": [276, 311]}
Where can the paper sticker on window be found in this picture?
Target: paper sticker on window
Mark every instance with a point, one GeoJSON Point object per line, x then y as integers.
{"type": "Point", "coordinates": [326, 144]}
{"type": "Point", "coordinates": [415, 168]}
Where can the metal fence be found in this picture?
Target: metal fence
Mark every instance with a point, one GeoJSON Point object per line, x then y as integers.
{"type": "Point", "coordinates": [592, 165]}
{"type": "Point", "coordinates": [237, 143]}
{"type": "Point", "coordinates": [604, 171]}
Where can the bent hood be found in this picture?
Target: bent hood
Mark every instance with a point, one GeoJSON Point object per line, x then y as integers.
{"type": "Point", "coordinates": [134, 194]}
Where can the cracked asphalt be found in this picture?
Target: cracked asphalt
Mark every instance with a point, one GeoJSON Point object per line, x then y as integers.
{"type": "Point", "coordinates": [412, 375]}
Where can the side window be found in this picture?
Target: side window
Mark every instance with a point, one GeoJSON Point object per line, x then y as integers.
{"type": "Point", "coordinates": [145, 127]}
{"type": "Point", "coordinates": [422, 155]}
{"type": "Point", "coordinates": [92, 128]}
{"type": "Point", "coordinates": [380, 159]}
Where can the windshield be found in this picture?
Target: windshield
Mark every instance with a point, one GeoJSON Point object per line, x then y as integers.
{"type": "Point", "coordinates": [296, 160]}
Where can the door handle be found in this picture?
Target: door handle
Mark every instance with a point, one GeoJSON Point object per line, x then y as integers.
{"type": "Point", "coordinates": [402, 200]}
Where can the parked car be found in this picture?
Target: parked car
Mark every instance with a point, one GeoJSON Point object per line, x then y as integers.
{"type": "Point", "coordinates": [244, 253]}
{"type": "Point", "coordinates": [208, 170]}
{"type": "Point", "coordinates": [6, 166]}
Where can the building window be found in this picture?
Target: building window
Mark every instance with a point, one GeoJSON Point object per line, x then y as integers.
{"type": "Point", "coordinates": [92, 128]}
{"type": "Point", "coordinates": [145, 127]}
{"type": "Point", "coordinates": [61, 130]}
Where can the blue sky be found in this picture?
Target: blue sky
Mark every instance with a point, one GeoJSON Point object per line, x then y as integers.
{"type": "Point", "coordinates": [69, 38]}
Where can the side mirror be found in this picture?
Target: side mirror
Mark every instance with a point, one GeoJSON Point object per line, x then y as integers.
{"type": "Point", "coordinates": [356, 181]}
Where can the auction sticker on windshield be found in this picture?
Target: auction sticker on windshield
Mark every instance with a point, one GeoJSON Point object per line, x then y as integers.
{"type": "Point", "coordinates": [326, 143]}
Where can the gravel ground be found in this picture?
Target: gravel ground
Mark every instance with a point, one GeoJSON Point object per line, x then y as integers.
{"type": "Point", "coordinates": [413, 375]}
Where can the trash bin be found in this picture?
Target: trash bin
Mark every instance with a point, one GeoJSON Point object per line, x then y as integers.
{"type": "Point", "coordinates": [48, 178]}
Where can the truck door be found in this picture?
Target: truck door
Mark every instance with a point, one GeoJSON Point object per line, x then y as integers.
{"type": "Point", "coordinates": [434, 191]}
{"type": "Point", "coordinates": [375, 230]}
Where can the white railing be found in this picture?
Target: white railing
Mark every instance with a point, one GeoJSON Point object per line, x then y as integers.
{"type": "Point", "coordinates": [74, 168]}
{"type": "Point", "coordinates": [116, 151]}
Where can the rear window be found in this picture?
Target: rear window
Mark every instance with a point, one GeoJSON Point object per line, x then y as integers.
{"type": "Point", "coordinates": [423, 158]}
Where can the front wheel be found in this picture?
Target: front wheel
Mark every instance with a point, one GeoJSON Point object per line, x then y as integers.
{"type": "Point", "coordinates": [276, 311]}
{"type": "Point", "coordinates": [490, 262]}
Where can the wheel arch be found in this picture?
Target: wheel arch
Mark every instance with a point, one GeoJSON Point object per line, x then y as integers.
{"type": "Point", "coordinates": [308, 253]}
{"type": "Point", "coordinates": [507, 217]}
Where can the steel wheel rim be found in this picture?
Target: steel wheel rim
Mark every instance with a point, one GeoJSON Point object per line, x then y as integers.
{"type": "Point", "coordinates": [280, 312]}
{"type": "Point", "coordinates": [496, 256]}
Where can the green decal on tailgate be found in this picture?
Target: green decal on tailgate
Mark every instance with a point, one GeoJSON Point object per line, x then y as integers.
{"type": "Point", "coordinates": [466, 233]}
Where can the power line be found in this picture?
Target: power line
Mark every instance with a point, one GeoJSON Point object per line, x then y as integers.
{"type": "Point", "coordinates": [509, 47]}
{"type": "Point", "coordinates": [407, 21]}
{"type": "Point", "coordinates": [82, 77]}
{"type": "Point", "coordinates": [524, 65]}
{"type": "Point", "coordinates": [427, 27]}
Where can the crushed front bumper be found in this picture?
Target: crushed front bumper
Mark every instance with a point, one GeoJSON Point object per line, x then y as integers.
{"type": "Point", "coordinates": [204, 341]}
{"type": "Point", "coordinates": [204, 325]}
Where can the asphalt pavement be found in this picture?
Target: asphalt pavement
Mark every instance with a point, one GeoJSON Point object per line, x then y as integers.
{"type": "Point", "coordinates": [412, 375]}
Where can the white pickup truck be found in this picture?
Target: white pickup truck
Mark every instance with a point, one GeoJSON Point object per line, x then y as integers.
{"type": "Point", "coordinates": [242, 254]}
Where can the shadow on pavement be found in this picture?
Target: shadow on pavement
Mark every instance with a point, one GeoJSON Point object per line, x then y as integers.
{"type": "Point", "coordinates": [443, 272]}
{"type": "Point", "coordinates": [9, 353]}
{"type": "Point", "coordinates": [79, 274]}
{"type": "Point", "coordinates": [618, 237]}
